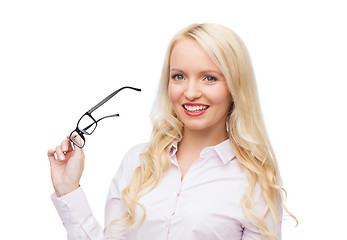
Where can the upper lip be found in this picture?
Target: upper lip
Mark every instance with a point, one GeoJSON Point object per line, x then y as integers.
{"type": "Point", "coordinates": [195, 104]}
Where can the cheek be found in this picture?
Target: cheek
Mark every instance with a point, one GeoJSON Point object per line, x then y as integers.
{"type": "Point", "coordinates": [223, 101]}
{"type": "Point", "coordinates": [173, 92]}
{"type": "Point", "coordinates": [220, 97]}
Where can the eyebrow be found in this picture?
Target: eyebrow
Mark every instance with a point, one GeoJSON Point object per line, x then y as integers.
{"type": "Point", "coordinates": [213, 71]}
{"type": "Point", "coordinates": [175, 69]}
{"type": "Point", "coordinates": [203, 72]}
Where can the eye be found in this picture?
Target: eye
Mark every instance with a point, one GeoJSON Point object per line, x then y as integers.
{"type": "Point", "coordinates": [210, 79]}
{"type": "Point", "coordinates": [177, 77]}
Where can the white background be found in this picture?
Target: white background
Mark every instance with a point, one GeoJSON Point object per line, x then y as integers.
{"type": "Point", "coordinates": [59, 58]}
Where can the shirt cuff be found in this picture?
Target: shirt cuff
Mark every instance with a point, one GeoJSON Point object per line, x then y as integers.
{"type": "Point", "coordinates": [72, 207]}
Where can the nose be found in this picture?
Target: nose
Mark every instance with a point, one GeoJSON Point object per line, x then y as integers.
{"type": "Point", "coordinates": [192, 90]}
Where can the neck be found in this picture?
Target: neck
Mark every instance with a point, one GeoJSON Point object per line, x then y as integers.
{"type": "Point", "coordinates": [198, 140]}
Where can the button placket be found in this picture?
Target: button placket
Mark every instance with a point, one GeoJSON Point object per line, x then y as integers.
{"type": "Point", "coordinates": [176, 194]}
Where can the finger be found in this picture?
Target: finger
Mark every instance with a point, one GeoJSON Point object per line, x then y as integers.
{"type": "Point", "coordinates": [78, 139]}
{"type": "Point", "coordinates": [60, 154]}
{"type": "Point", "coordinates": [78, 151]}
{"type": "Point", "coordinates": [66, 146]}
{"type": "Point", "coordinates": [51, 155]}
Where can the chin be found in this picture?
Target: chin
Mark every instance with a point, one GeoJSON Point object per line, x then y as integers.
{"type": "Point", "coordinates": [195, 127]}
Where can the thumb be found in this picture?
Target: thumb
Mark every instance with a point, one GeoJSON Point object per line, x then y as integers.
{"type": "Point", "coordinates": [78, 143]}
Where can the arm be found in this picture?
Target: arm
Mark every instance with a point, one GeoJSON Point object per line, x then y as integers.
{"type": "Point", "coordinates": [73, 207]}
{"type": "Point", "coordinates": [251, 231]}
{"type": "Point", "coordinates": [67, 164]}
{"type": "Point", "coordinates": [77, 217]}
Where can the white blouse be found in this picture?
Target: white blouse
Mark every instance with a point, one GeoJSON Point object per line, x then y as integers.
{"type": "Point", "coordinates": [206, 204]}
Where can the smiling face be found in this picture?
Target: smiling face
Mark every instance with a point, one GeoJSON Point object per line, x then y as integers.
{"type": "Point", "coordinates": [197, 88]}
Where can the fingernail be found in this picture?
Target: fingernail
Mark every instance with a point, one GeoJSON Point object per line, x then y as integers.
{"type": "Point", "coordinates": [62, 157]}
{"type": "Point", "coordinates": [64, 148]}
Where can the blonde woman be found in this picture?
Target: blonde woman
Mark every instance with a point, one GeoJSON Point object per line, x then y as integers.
{"type": "Point", "coordinates": [208, 172]}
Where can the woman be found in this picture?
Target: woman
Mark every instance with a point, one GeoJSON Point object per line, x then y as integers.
{"type": "Point", "coordinates": [209, 171]}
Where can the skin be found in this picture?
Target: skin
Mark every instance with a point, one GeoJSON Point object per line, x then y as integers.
{"type": "Point", "coordinates": [195, 79]}
{"type": "Point", "coordinates": [67, 164]}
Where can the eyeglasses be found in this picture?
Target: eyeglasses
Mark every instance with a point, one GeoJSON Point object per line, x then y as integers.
{"type": "Point", "coordinates": [86, 125]}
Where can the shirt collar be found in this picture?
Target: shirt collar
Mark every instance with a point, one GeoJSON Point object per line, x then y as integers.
{"type": "Point", "coordinates": [173, 149]}
{"type": "Point", "coordinates": [224, 150]}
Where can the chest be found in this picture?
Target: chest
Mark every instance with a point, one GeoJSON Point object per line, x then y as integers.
{"type": "Point", "coordinates": [206, 204]}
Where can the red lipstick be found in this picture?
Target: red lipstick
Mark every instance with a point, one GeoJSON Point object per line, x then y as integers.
{"type": "Point", "coordinates": [195, 109]}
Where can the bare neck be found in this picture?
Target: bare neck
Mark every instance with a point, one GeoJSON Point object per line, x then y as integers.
{"type": "Point", "coordinates": [193, 142]}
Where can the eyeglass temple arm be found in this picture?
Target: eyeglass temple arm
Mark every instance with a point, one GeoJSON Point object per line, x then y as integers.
{"type": "Point", "coordinates": [113, 115]}
{"type": "Point", "coordinates": [109, 97]}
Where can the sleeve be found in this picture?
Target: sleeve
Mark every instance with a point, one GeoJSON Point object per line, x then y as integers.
{"type": "Point", "coordinates": [78, 220]}
{"type": "Point", "coordinates": [75, 212]}
{"type": "Point", "coordinates": [250, 230]}
{"type": "Point", "coordinates": [77, 217]}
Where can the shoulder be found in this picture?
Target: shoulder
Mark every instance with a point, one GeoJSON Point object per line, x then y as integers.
{"type": "Point", "coordinates": [134, 153]}
{"type": "Point", "coordinates": [130, 162]}
{"type": "Point", "coordinates": [131, 158]}
{"type": "Point", "coordinates": [238, 172]}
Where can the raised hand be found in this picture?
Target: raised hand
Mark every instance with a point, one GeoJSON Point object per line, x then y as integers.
{"type": "Point", "coordinates": [67, 164]}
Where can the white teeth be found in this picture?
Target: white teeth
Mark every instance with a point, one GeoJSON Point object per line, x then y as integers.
{"type": "Point", "coordinates": [194, 108]}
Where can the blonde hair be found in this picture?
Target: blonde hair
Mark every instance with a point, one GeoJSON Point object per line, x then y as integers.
{"type": "Point", "coordinates": [245, 123]}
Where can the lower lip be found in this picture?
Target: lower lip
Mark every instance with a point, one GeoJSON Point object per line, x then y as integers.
{"type": "Point", "coordinates": [195, 114]}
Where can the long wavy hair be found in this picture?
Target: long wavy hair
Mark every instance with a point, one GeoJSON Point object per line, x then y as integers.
{"type": "Point", "coordinates": [245, 128]}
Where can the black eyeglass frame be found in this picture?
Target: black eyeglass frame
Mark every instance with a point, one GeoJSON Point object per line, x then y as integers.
{"type": "Point", "coordinates": [82, 132]}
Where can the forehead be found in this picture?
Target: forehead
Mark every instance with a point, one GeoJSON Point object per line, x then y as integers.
{"type": "Point", "coordinates": [188, 53]}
